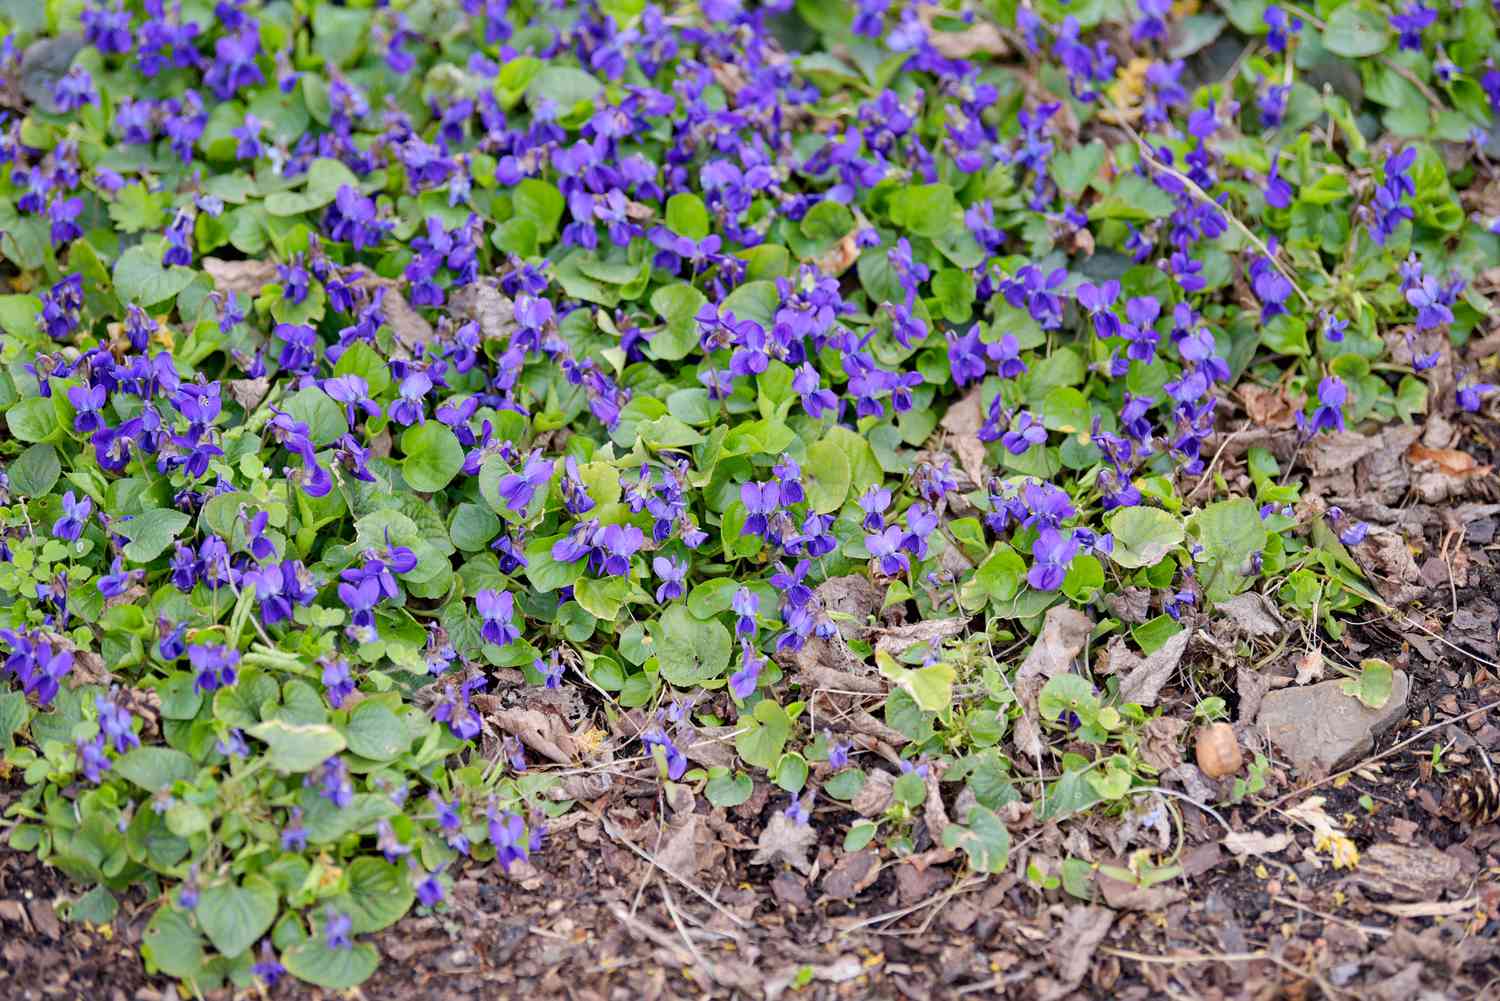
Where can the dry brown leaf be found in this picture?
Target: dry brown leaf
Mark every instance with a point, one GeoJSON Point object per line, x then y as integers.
{"type": "Point", "coordinates": [248, 277]}
{"type": "Point", "coordinates": [1309, 667]}
{"type": "Point", "coordinates": [875, 795]}
{"type": "Point", "coordinates": [1251, 614]}
{"type": "Point", "coordinates": [1082, 930]}
{"type": "Point", "coordinates": [1271, 408]}
{"type": "Point", "coordinates": [542, 732]}
{"type": "Point", "coordinates": [979, 38]}
{"type": "Point", "coordinates": [1243, 843]}
{"type": "Point", "coordinates": [1448, 461]}
{"type": "Point", "coordinates": [896, 640]}
{"type": "Point", "coordinates": [961, 424]}
{"type": "Point", "coordinates": [1124, 896]}
{"type": "Point", "coordinates": [407, 324]}
{"type": "Point", "coordinates": [1408, 872]}
{"type": "Point", "coordinates": [1159, 743]}
{"type": "Point", "coordinates": [840, 258]}
{"type": "Point", "coordinates": [852, 874]}
{"type": "Point", "coordinates": [785, 840]}
{"type": "Point", "coordinates": [484, 304]}
{"type": "Point", "coordinates": [1143, 678]}
{"type": "Point", "coordinates": [853, 595]}
{"type": "Point", "coordinates": [249, 392]}
{"type": "Point", "coordinates": [1064, 632]}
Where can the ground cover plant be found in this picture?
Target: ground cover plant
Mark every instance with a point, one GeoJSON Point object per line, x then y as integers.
{"type": "Point", "coordinates": [830, 398]}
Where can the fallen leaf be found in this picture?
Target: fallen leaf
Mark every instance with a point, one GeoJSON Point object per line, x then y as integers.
{"type": "Point", "coordinates": [249, 392]}
{"type": "Point", "coordinates": [979, 38]}
{"type": "Point", "coordinates": [482, 303]}
{"type": "Point", "coordinates": [248, 277]}
{"type": "Point", "coordinates": [1251, 614]}
{"type": "Point", "coordinates": [896, 640]}
{"type": "Point", "coordinates": [838, 260]}
{"type": "Point", "coordinates": [1064, 632]}
{"type": "Point", "coordinates": [1448, 461]}
{"type": "Point", "coordinates": [1309, 667]}
{"type": "Point", "coordinates": [1159, 742]}
{"type": "Point", "coordinates": [851, 874]}
{"type": "Point", "coordinates": [961, 424]}
{"type": "Point", "coordinates": [1125, 896]}
{"type": "Point", "coordinates": [1255, 843]}
{"type": "Point", "coordinates": [1408, 872]}
{"type": "Point", "coordinates": [1082, 930]}
{"type": "Point", "coordinates": [875, 795]}
{"type": "Point", "coordinates": [855, 596]}
{"type": "Point", "coordinates": [542, 732]}
{"type": "Point", "coordinates": [785, 840]}
{"type": "Point", "coordinates": [407, 324]}
{"type": "Point", "coordinates": [1270, 407]}
{"type": "Point", "coordinates": [1143, 678]}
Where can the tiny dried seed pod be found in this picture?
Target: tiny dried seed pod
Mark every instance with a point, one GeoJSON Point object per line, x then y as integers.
{"type": "Point", "coordinates": [1218, 751]}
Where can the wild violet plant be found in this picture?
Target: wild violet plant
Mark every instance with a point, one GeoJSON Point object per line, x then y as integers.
{"type": "Point", "coordinates": [353, 353]}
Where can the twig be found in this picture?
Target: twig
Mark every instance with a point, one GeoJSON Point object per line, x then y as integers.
{"type": "Point", "coordinates": [1228, 957]}
{"type": "Point", "coordinates": [619, 836]}
{"type": "Point", "coordinates": [1368, 930]}
{"type": "Point", "coordinates": [902, 912]}
{"type": "Point", "coordinates": [1372, 759]}
{"type": "Point", "coordinates": [681, 930]}
{"type": "Point", "coordinates": [1188, 800]}
{"type": "Point", "coordinates": [1148, 154]}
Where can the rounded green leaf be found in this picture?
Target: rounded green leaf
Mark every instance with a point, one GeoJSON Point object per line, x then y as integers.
{"type": "Point", "coordinates": [1143, 535]}
{"type": "Point", "coordinates": [379, 894]}
{"type": "Point", "coordinates": [690, 650]}
{"type": "Point", "coordinates": [298, 748]}
{"type": "Point", "coordinates": [433, 457]}
{"type": "Point", "coordinates": [826, 476]}
{"type": "Point", "coordinates": [335, 969]}
{"type": "Point", "coordinates": [235, 916]}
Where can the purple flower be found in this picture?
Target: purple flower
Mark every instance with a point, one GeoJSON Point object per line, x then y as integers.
{"type": "Point", "coordinates": [1028, 431]}
{"type": "Point", "coordinates": [116, 582]}
{"type": "Point", "coordinates": [884, 547]}
{"type": "Point", "coordinates": [517, 489]}
{"type": "Point", "coordinates": [760, 500]}
{"type": "Point", "coordinates": [92, 760]}
{"type": "Point", "coordinates": [430, 890]}
{"type": "Point", "coordinates": [675, 759]}
{"type": "Point", "coordinates": [742, 682]}
{"type": "Point", "coordinates": [293, 834]}
{"type": "Point", "coordinates": [619, 542]}
{"type": "Point", "coordinates": [672, 571]}
{"type": "Point", "coordinates": [187, 895]}
{"type": "Point", "coordinates": [507, 835]}
{"type": "Point", "coordinates": [76, 512]}
{"type": "Point", "coordinates": [1471, 396]}
{"type": "Point", "coordinates": [497, 609]}
{"type": "Point", "coordinates": [268, 970]}
{"type": "Point", "coordinates": [1052, 552]}
{"type": "Point", "coordinates": [337, 682]}
{"type": "Point", "coordinates": [873, 503]}
{"type": "Point", "coordinates": [745, 604]}
{"type": "Point", "coordinates": [1280, 27]}
{"type": "Point", "coordinates": [1329, 414]}
{"type": "Point", "coordinates": [1428, 298]}
{"type": "Point", "coordinates": [215, 667]}
{"type": "Point", "coordinates": [1411, 24]}
{"type": "Point", "coordinates": [337, 927]}
{"type": "Point", "coordinates": [74, 89]}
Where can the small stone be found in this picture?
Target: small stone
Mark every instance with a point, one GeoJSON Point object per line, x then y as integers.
{"type": "Point", "coordinates": [1321, 728]}
{"type": "Point", "coordinates": [1218, 751]}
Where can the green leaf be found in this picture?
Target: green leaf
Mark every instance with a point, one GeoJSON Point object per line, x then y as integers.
{"type": "Point", "coordinates": [1356, 32]}
{"type": "Point", "coordinates": [35, 471]}
{"type": "Point", "coordinates": [1143, 535]}
{"type": "Point", "coordinates": [140, 277]}
{"type": "Point", "coordinates": [540, 203]}
{"type": "Point", "coordinates": [564, 86]}
{"type": "Point", "coordinates": [14, 712]}
{"type": "Point", "coordinates": [32, 419]}
{"type": "Point", "coordinates": [1374, 684]}
{"type": "Point", "coordinates": [1229, 531]}
{"type": "Point", "coordinates": [171, 945]}
{"type": "Point", "coordinates": [324, 178]}
{"type": "Point", "coordinates": [826, 476]}
{"type": "Point", "coordinates": [1067, 693]}
{"type": "Point", "coordinates": [154, 768]}
{"type": "Point", "coordinates": [764, 734]}
{"type": "Point", "coordinates": [151, 532]}
{"type": "Point", "coordinates": [690, 650]}
{"type": "Point", "coordinates": [298, 748]}
{"type": "Point", "coordinates": [379, 894]}
{"type": "Point", "coordinates": [729, 790]}
{"type": "Point", "coordinates": [235, 916]}
{"type": "Point", "coordinates": [323, 416]}
{"type": "Point", "coordinates": [602, 598]}
{"type": "Point", "coordinates": [18, 314]}
{"type": "Point", "coordinates": [1073, 168]}
{"type": "Point", "coordinates": [985, 840]}
{"type": "Point", "coordinates": [931, 687]}
{"type": "Point", "coordinates": [335, 969]}
{"type": "Point", "coordinates": [687, 215]}
{"type": "Point", "coordinates": [433, 456]}
{"type": "Point", "coordinates": [677, 305]}
{"type": "Point", "coordinates": [925, 209]}
{"type": "Point", "coordinates": [375, 732]}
